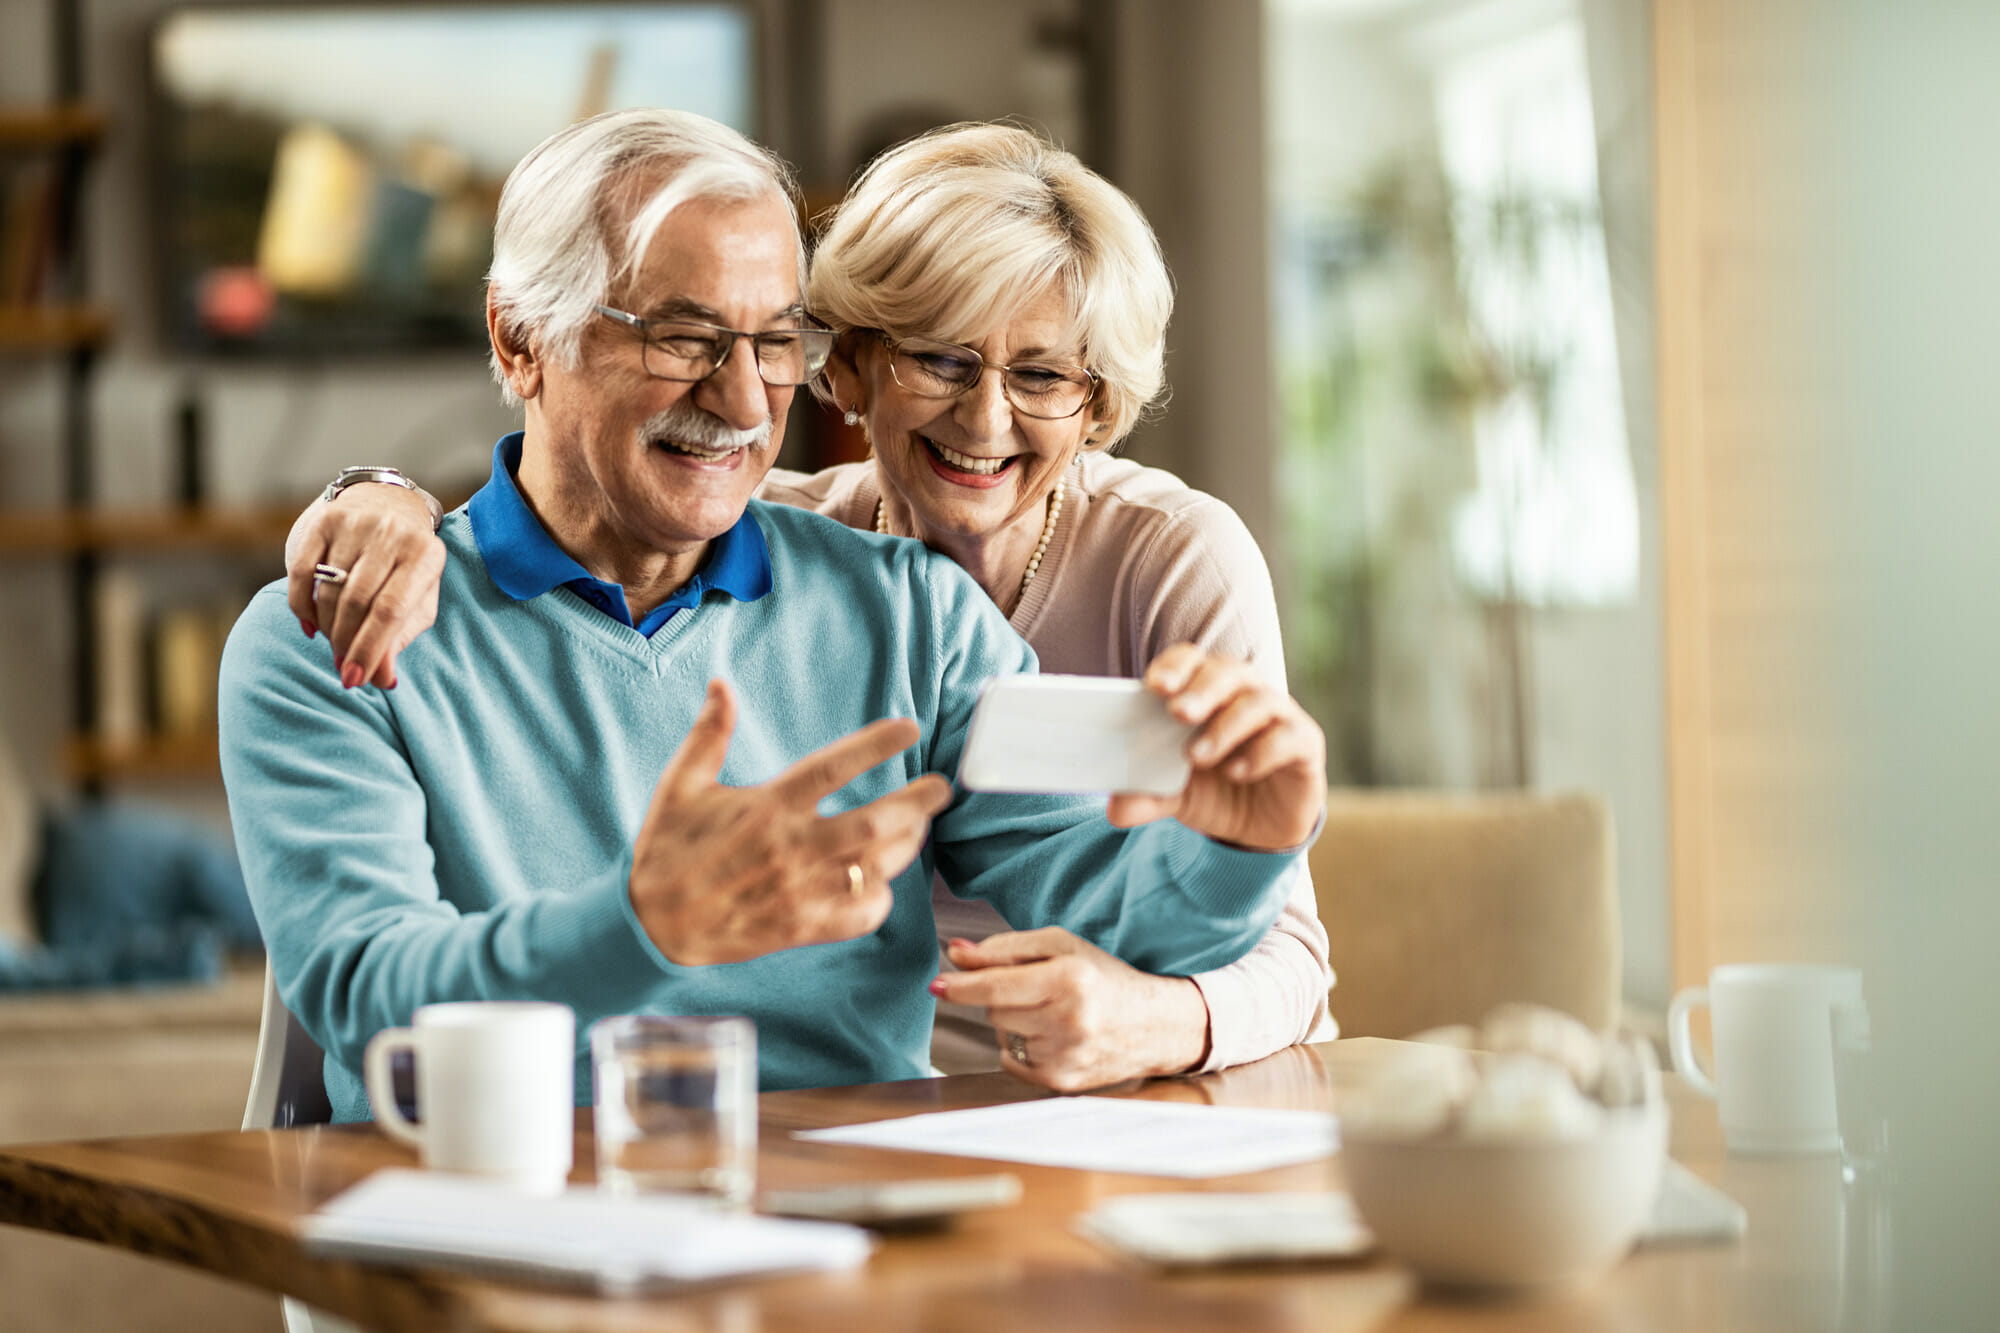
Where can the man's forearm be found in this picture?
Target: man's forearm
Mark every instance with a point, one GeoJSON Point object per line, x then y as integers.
{"type": "Point", "coordinates": [1160, 897]}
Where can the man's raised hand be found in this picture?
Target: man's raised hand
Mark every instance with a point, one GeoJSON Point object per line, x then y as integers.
{"type": "Point", "coordinates": [721, 874]}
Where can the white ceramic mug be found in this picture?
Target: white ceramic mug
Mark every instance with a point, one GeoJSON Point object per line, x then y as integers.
{"type": "Point", "coordinates": [1773, 1076]}
{"type": "Point", "coordinates": [495, 1089]}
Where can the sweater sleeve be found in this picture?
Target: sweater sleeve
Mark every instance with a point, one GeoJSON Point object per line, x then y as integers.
{"type": "Point", "coordinates": [1160, 897]}
{"type": "Point", "coordinates": [330, 824]}
{"type": "Point", "coordinates": [1201, 579]}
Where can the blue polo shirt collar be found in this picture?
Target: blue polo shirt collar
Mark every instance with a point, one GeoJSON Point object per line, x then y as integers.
{"type": "Point", "coordinates": [525, 561]}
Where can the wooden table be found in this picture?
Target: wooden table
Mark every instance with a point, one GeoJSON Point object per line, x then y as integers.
{"type": "Point", "coordinates": [229, 1202]}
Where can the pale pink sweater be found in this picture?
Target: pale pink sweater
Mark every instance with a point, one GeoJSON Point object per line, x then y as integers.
{"type": "Point", "coordinates": [1140, 561]}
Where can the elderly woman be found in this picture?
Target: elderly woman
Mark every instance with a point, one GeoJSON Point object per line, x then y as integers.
{"type": "Point", "coordinates": [1001, 315]}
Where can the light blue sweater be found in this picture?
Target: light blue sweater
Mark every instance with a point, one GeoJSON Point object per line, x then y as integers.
{"type": "Point", "coordinates": [468, 834]}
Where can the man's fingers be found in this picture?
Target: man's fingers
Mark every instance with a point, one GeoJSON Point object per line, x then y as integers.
{"type": "Point", "coordinates": [838, 913]}
{"type": "Point", "coordinates": [886, 834]}
{"type": "Point", "coordinates": [831, 767]}
{"type": "Point", "coordinates": [698, 759]}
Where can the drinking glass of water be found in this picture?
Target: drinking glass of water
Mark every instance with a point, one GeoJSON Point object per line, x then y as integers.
{"type": "Point", "coordinates": [1864, 1131]}
{"type": "Point", "coordinates": [676, 1106]}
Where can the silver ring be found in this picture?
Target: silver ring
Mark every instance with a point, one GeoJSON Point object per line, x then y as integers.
{"type": "Point", "coordinates": [331, 575]}
{"type": "Point", "coordinates": [1017, 1046]}
{"type": "Point", "coordinates": [857, 882]}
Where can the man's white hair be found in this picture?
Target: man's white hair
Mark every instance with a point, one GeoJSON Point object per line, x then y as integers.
{"type": "Point", "coordinates": [578, 213]}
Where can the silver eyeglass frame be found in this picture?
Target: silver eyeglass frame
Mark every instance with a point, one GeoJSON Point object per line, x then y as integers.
{"type": "Point", "coordinates": [815, 361]}
{"type": "Point", "coordinates": [895, 346]}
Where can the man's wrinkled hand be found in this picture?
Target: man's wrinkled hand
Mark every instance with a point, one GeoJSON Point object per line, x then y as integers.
{"type": "Point", "coordinates": [721, 874]}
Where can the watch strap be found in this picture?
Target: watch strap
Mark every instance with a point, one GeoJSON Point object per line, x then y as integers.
{"type": "Point", "coordinates": [354, 476]}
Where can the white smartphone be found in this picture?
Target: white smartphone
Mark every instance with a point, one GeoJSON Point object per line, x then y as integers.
{"type": "Point", "coordinates": [892, 1204]}
{"type": "Point", "coordinates": [1073, 734]}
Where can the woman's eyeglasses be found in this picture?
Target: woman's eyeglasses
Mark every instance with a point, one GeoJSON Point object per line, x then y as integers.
{"type": "Point", "coordinates": [933, 369]}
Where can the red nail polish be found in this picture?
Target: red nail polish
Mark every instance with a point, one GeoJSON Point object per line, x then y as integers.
{"type": "Point", "coordinates": [350, 676]}
{"type": "Point", "coordinates": [937, 987]}
{"type": "Point", "coordinates": [307, 626]}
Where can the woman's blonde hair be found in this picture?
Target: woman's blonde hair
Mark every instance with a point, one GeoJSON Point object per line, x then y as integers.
{"type": "Point", "coordinates": [950, 234]}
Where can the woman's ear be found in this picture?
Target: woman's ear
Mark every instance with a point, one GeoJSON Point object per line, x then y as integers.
{"type": "Point", "coordinates": [523, 370]}
{"type": "Point", "coordinates": [843, 375]}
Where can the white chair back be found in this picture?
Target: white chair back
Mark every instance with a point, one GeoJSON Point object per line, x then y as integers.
{"type": "Point", "coordinates": [288, 1085]}
{"type": "Point", "coordinates": [287, 1088]}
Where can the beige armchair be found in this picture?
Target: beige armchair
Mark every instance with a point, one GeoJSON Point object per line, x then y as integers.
{"type": "Point", "coordinates": [1438, 907]}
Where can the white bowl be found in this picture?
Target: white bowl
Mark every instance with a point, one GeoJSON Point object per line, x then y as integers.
{"type": "Point", "coordinates": [1510, 1215]}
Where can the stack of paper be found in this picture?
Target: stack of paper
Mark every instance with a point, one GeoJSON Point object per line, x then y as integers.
{"type": "Point", "coordinates": [580, 1236]}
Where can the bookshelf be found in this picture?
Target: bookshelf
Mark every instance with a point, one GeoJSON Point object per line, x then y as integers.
{"type": "Point", "coordinates": [249, 531]}
{"type": "Point", "coordinates": [90, 761]}
{"type": "Point", "coordinates": [36, 128]}
{"type": "Point", "coordinates": [142, 740]}
{"type": "Point", "coordinates": [50, 328]}
{"type": "Point", "coordinates": [43, 153]}
{"type": "Point", "coordinates": [47, 152]}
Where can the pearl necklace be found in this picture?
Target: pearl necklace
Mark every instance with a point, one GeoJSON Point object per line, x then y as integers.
{"type": "Point", "coordinates": [1041, 547]}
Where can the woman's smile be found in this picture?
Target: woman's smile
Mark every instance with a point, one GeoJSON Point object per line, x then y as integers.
{"type": "Point", "coordinates": [967, 469]}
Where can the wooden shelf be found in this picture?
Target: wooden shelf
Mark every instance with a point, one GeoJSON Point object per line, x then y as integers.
{"type": "Point", "coordinates": [33, 328]}
{"type": "Point", "coordinates": [65, 531]}
{"type": "Point", "coordinates": [33, 127]}
{"type": "Point", "coordinates": [87, 758]}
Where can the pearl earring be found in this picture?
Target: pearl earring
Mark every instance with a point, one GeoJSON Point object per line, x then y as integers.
{"type": "Point", "coordinates": [853, 418]}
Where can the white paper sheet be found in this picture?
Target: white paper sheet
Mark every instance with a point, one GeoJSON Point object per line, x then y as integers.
{"type": "Point", "coordinates": [579, 1236]}
{"type": "Point", "coordinates": [1108, 1134]}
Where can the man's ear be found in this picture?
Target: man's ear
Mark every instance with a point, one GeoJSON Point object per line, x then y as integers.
{"type": "Point", "coordinates": [517, 359]}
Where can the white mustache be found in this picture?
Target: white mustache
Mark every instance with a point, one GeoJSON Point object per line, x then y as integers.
{"type": "Point", "coordinates": [685, 423]}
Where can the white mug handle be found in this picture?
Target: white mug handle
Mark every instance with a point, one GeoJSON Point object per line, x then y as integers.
{"type": "Point", "coordinates": [379, 1076]}
{"type": "Point", "coordinates": [1680, 1041]}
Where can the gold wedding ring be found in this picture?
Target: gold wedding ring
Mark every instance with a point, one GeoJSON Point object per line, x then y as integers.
{"type": "Point", "coordinates": [1017, 1046]}
{"type": "Point", "coordinates": [857, 883]}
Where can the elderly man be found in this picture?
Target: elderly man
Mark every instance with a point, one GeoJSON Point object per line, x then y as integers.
{"type": "Point", "coordinates": [563, 798]}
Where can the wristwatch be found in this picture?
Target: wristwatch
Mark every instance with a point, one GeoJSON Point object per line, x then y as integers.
{"type": "Point", "coordinates": [350, 476]}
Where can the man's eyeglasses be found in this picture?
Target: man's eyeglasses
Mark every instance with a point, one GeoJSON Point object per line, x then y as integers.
{"type": "Point", "coordinates": [932, 369]}
{"type": "Point", "coordinates": [687, 350]}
